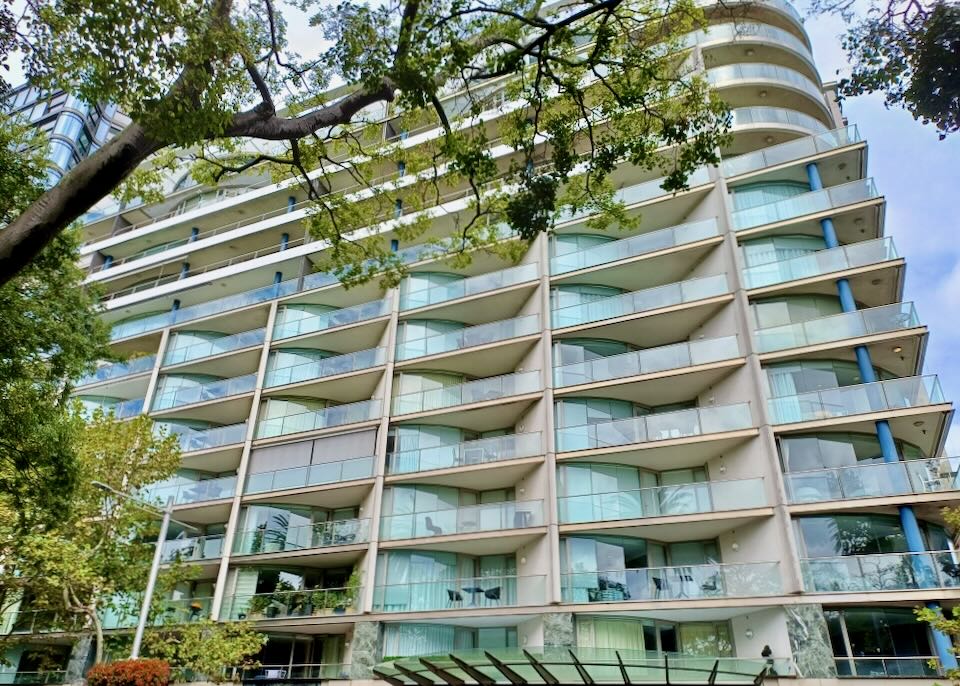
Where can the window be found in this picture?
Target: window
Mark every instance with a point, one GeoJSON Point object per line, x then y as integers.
{"type": "Point", "coordinates": [864, 639]}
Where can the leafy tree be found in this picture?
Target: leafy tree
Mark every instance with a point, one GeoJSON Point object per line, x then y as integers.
{"type": "Point", "coordinates": [90, 560]}
{"type": "Point", "coordinates": [52, 333]}
{"type": "Point", "coordinates": [593, 83]}
{"type": "Point", "coordinates": [909, 50]}
{"type": "Point", "coordinates": [205, 648]}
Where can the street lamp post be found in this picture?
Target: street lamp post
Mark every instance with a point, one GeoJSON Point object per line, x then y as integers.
{"type": "Point", "coordinates": [165, 519]}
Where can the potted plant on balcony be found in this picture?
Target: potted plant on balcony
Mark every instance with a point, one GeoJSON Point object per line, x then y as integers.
{"type": "Point", "coordinates": [347, 598]}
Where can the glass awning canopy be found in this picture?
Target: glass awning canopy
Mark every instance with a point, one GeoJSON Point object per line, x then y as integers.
{"type": "Point", "coordinates": [574, 666]}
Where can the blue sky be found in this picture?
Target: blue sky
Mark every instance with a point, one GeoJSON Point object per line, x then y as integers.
{"type": "Point", "coordinates": [919, 175]}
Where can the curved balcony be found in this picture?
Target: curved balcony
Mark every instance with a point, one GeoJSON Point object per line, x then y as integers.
{"type": "Point", "coordinates": [655, 427]}
{"type": "Point", "coordinates": [750, 32]}
{"type": "Point", "coordinates": [195, 549]}
{"type": "Point", "coordinates": [192, 440]}
{"type": "Point", "coordinates": [838, 327]}
{"type": "Point", "coordinates": [194, 491]}
{"type": "Point", "coordinates": [663, 501]}
{"type": "Point", "coordinates": [820, 263]}
{"type": "Point", "coordinates": [790, 151]}
{"type": "Point", "coordinates": [120, 409]}
{"type": "Point", "coordinates": [482, 451]}
{"type": "Point", "coordinates": [636, 302]}
{"type": "Point", "coordinates": [518, 514]}
{"type": "Point", "coordinates": [752, 72]}
{"type": "Point", "coordinates": [881, 572]}
{"type": "Point", "coordinates": [686, 582]}
{"type": "Point", "coordinates": [215, 390]}
{"type": "Point", "coordinates": [328, 366]}
{"type": "Point", "coordinates": [635, 246]}
{"type": "Point", "coordinates": [461, 593]}
{"type": "Point", "coordinates": [126, 329]}
{"type": "Point", "coordinates": [335, 415]}
{"type": "Point", "coordinates": [806, 203]}
{"type": "Point", "coordinates": [775, 117]}
{"type": "Point", "coordinates": [319, 474]}
{"type": "Point", "coordinates": [648, 361]}
{"type": "Point", "coordinates": [469, 337]}
{"type": "Point", "coordinates": [216, 346]}
{"type": "Point", "coordinates": [332, 319]}
{"type": "Point", "coordinates": [140, 365]}
{"type": "Point", "coordinates": [463, 288]}
{"type": "Point", "coordinates": [640, 193]}
{"type": "Point", "coordinates": [307, 537]}
{"type": "Point", "coordinates": [879, 396]}
{"type": "Point", "coordinates": [481, 390]}
{"type": "Point", "coordinates": [874, 480]}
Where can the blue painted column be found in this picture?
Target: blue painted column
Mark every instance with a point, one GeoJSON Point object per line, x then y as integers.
{"type": "Point", "coordinates": [107, 262]}
{"type": "Point", "coordinates": [284, 240]}
{"type": "Point", "coordinates": [184, 270]}
{"type": "Point", "coordinates": [291, 203]}
{"type": "Point", "coordinates": [194, 232]}
{"type": "Point", "coordinates": [888, 446]}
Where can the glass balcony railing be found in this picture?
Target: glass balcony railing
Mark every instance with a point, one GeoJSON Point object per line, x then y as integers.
{"type": "Point", "coordinates": [215, 390]}
{"type": "Point", "coordinates": [310, 475]}
{"type": "Point", "coordinates": [636, 302]}
{"type": "Point", "coordinates": [754, 71]}
{"type": "Point", "coordinates": [492, 388]}
{"type": "Point", "coordinates": [791, 151]}
{"type": "Point", "coordinates": [123, 409]}
{"type": "Point", "coordinates": [881, 572]}
{"type": "Point", "coordinates": [462, 592]}
{"type": "Point", "coordinates": [465, 287]}
{"type": "Point", "coordinates": [186, 314]}
{"type": "Point", "coordinates": [634, 246]}
{"type": "Point", "coordinates": [879, 396]}
{"type": "Point", "coordinates": [317, 535]}
{"type": "Point", "coordinates": [332, 319]}
{"type": "Point", "coordinates": [296, 672]}
{"type": "Point", "coordinates": [335, 415]}
{"type": "Point", "coordinates": [482, 451]}
{"type": "Point", "coordinates": [199, 350]}
{"type": "Point", "coordinates": [26, 621]}
{"type": "Point", "coordinates": [806, 203]}
{"type": "Point", "coordinates": [205, 439]}
{"type": "Point", "coordinates": [641, 192]}
{"type": "Point", "coordinates": [140, 365]}
{"type": "Point", "coordinates": [744, 32]}
{"type": "Point", "coordinates": [328, 366]}
{"type": "Point", "coordinates": [655, 427]}
{"type": "Point", "coordinates": [519, 514]}
{"type": "Point", "coordinates": [838, 327]}
{"type": "Point", "coordinates": [173, 611]}
{"type": "Point", "coordinates": [194, 549]}
{"type": "Point", "coordinates": [317, 602]}
{"type": "Point", "coordinates": [663, 501]}
{"type": "Point", "coordinates": [820, 263]}
{"type": "Point", "coordinates": [648, 361]}
{"type": "Point", "coordinates": [712, 580]}
{"type": "Point", "coordinates": [874, 480]}
{"type": "Point", "coordinates": [194, 491]}
{"type": "Point", "coordinates": [764, 117]}
{"type": "Point", "coordinates": [887, 667]}
{"type": "Point", "coordinates": [469, 337]}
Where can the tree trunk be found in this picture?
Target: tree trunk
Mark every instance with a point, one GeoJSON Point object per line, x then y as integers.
{"type": "Point", "coordinates": [81, 188]}
{"type": "Point", "coordinates": [98, 633]}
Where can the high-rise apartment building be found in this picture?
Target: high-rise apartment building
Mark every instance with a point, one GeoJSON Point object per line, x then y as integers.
{"type": "Point", "coordinates": [75, 128]}
{"type": "Point", "coordinates": [707, 445]}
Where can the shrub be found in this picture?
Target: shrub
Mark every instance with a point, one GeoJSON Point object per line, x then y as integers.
{"type": "Point", "coordinates": [130, 673]}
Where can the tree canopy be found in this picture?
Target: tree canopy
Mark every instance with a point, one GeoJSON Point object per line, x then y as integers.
{"type": "Point", "coordinates": [908, 50]}
{"type": "Point", "coordinates": [590, 83]}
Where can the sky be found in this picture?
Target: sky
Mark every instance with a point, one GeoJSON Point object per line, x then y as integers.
{"type": "Point", "coordinates": [919, 175]}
